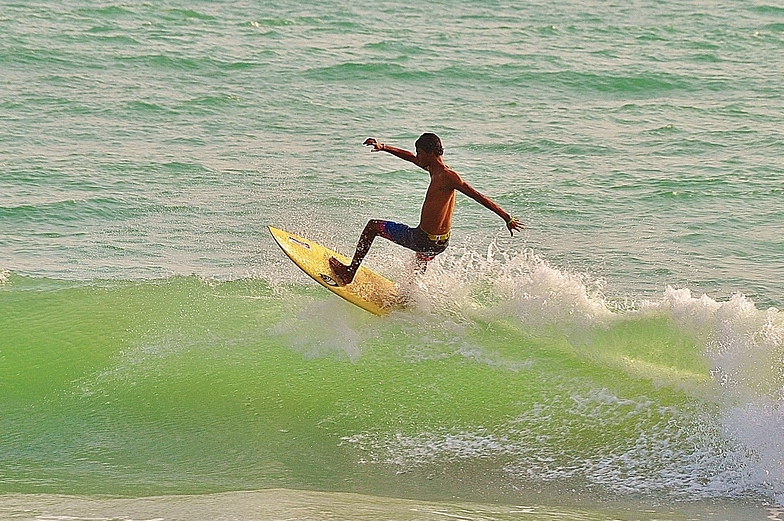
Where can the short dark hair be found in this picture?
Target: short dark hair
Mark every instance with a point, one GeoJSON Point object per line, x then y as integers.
{"type": "Point", "coordinates": [430, 143]}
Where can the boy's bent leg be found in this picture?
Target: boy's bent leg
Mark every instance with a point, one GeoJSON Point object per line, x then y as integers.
{"type": "Point", "coordinates": [341, 271]}
{"type": "Point", "coordinates": [373, 229]}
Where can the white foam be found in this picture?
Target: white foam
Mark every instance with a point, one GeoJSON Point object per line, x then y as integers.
{"type": "Point", "coordinates": [519, 284]}
{"type": "Point", "coordinates": [759, 425]}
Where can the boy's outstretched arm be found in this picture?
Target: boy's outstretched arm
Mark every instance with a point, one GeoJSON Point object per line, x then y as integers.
{"type": "Point", "coordinates": [399, 152]}
{"type": "Point", "coordinates": [512, 223]}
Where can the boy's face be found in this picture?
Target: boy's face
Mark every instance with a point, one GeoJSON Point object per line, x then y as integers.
{"type": "Point", "coordinates": [421, 154]}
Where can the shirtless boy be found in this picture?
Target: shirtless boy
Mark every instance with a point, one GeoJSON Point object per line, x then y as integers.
{"type": "Point", "coordinates": [431, 237]}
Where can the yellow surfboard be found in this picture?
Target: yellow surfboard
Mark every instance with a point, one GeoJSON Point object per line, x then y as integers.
{"type": "Point", "coordinates": [369, 290]}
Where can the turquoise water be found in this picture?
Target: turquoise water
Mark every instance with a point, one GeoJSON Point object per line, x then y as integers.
{"type": "Point", "coordinates": [623, 355]}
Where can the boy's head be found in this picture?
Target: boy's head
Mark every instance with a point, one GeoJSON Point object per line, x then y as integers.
{"type": "Point", "coordinates": [429, 143]}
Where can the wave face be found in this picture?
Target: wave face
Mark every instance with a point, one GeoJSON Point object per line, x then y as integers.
{"type": "Point", "coordinates": [510, 378]}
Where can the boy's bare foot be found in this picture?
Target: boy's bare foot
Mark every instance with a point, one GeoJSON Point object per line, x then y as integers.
{"type": "Point", "coordinates": [344, 275]}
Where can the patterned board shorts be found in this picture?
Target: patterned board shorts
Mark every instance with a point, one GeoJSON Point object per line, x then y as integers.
{"type": "Point", "coordinates": [414, 239]}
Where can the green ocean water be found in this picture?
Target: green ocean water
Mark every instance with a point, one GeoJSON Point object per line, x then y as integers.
{"type": "Point", "coordinates": [623, 358]}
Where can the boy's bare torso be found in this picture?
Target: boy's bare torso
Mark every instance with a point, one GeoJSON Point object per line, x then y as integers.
{"type": "Point", "coordinates": [439, 204]}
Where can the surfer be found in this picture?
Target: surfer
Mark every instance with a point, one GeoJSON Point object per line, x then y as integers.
{"type": "Point", "coordinates": [431, 237]}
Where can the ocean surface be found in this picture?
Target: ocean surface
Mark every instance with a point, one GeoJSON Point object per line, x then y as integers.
{"type": "Point", "coordinates": [622, 358]}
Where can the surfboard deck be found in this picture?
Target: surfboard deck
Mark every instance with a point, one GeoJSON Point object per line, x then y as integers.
{"type": "Point", "coordinates": [369, 290]}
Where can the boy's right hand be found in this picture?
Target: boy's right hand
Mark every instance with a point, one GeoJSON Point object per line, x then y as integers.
{"type": "Point", "coordinates": [371, 142]}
